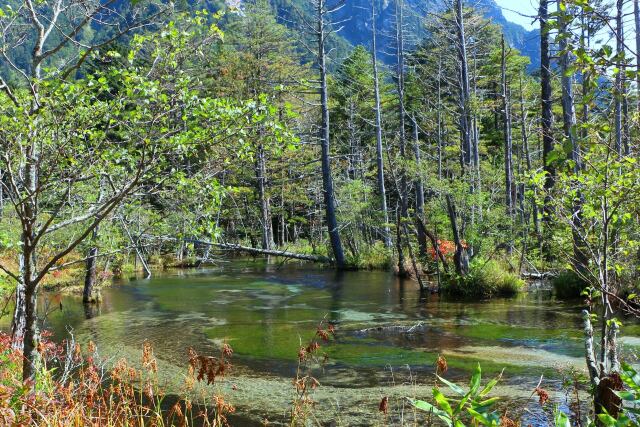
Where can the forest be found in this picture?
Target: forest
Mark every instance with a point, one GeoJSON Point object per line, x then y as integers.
{"type": "Point", "coordinates": [363, 205]}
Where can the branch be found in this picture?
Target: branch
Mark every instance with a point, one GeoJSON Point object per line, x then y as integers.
{"type": "Point", "coordinates": [66, 37]}
{"type": "Point", "coordinates": [5, 87]}
{"type": "Point", "coordinates": [9, 273]}
{"type": "Point", "coordinates": [100, 255]}
{"type": "Point", "coordinates": [80, 218]}
{"type": "Point", "coordinates": [110, 206]}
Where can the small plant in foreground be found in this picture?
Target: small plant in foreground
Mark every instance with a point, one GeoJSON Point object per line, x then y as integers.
{"type": "Point", "coordinates": [631, 400]}
{"type": "Point", "coordinates": [81, 391]}
{"type": "Point", "coordinates": [309, 357]}
{"type": "Point", "coordinates": [473, 403]}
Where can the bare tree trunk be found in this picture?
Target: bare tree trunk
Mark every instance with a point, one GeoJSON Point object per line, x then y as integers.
{"type": "Point", "coordinates": [18, 322]}
{"type": "Point", "coordinates": [476, 145]}
{"type": "Point", "coordinates": [508, 146]}
{"type": "Point", "coordinates": [636, 14]}
{"type": "Point", "coordinates": [585, 41]}
{"type": "Point", "coordinates": [465, 116]}
{"type": "Point", "coordinates": [402, 271]}
{"type": "Point", "coordinates": [619, 88]}
{"type": "Point", "coordinates": [327, 180]}
{"type": "Point", "coordinates": [419, 187]}
{"type": "Point", "coordinates": [88, 295]}
{"type": "Point", "coordinates": [626, 124]}
{"type": "Point", "coordinates": [439, 118]}
{"type": "Point", "coordinates": [580, 261]}
{"type": "Point", "coordinates": [263, 199]}
{"type": "Point", "coordinates": [414, 263]}
{"type": "Point", "coordinates": [404, 196]}
{"type": "Point", "coordinates": [527, 153]}
{"type": "Point", "coordinates": [31, 334]}
{"type": "Point", "coordinates": [403, 187]}
{"type": "Point", "coordinates": [269, 252]}
{"type": "Point", "coordinates": [592, 366]}
{"type": "Point", "coordinates": [460, 257]}
{"type": "Point", "coordinates": [1, 193]}
{"type": "Point", "coordinates": [547, 122]}
{"type": "Point", "coordinates": [379, 150]}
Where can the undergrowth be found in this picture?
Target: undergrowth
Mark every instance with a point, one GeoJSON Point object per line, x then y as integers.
{"type": "Point", "coordinates": [568, 285]}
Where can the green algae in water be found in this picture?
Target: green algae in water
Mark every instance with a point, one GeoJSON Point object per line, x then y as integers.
{"type": "Point", "coordinates": [266, 315]}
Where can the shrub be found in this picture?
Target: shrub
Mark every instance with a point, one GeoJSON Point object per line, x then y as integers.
{"type": "Point", "coordinates": [486, 279]}
{"type": "Point", "coordinates": [568, 285]}
{"type": "Point", "coordinates": [371, 257]}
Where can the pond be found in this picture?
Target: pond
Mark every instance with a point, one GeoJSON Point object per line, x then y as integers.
{"type": "Point", "coordinates": [266, 311]}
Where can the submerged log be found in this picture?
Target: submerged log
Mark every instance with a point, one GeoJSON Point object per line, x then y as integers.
{"type": "Point", "coordinates": [392, 330]}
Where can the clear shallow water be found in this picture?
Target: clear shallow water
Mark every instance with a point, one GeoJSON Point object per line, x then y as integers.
{"type": "Point", "coordinates": [266, 311]}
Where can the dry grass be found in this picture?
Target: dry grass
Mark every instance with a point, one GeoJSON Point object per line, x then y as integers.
{"type": "Point", "coordinates": [74, 389]}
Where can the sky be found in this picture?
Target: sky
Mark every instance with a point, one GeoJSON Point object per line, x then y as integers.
{"type": "Point", "coordinates": [512, 10]}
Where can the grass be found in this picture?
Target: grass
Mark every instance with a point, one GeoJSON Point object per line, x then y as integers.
{"type": "Point", "coordinates": [486, 279]}
{"type": "Point", "coordinates": [371, 257]}
{"type": "Point", "coordinates": [568, 285]}
{"type": "Point", "coordinates": [74, 387]}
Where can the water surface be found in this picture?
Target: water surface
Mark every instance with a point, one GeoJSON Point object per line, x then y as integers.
{"type": "Point", "coordinates": [267, 311]}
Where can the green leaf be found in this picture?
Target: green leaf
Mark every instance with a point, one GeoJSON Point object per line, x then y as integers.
{"type": "Point", "coordinates": [474, 385]}
{"type": "Point", "coordinates": [427, 407]}
{"type": "Point", "coordinates": [454, 387]}
{"type": "Point", "coordinates": [485, 405]}
{"type": "Point", "coordinates": [560, 419]}
{"type": "Point", "coordinates": [490, 385]}
{"type": "Point", "coordinates": [481, 418]}
{"type": "Point", "coordinates": [442, 401]}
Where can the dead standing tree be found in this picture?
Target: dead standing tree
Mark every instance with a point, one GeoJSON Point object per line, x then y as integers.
{"type": "Point", "coordinates": [547, 123]}
{"type": "Point", "coordinates": [510, 187]}
{"type": "Point", "coordinates": [321, 27]}
{"type": "Point", "coordinates": [378, 125]}
{"type": "Point", "coordinates": [465, 120]}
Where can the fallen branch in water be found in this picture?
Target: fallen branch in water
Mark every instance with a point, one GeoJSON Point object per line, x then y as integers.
{"type": "Point", "coordinates": [270, 252]}
{"type": "Point", "coordinates": [539, 276]}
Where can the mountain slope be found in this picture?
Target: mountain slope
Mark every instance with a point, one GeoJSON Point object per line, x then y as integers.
{"type": "Point", "coordinates": [356, 17]}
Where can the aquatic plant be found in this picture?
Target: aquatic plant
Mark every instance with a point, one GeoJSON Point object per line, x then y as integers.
{"type": "Point", "coordinates": [485, 279]}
